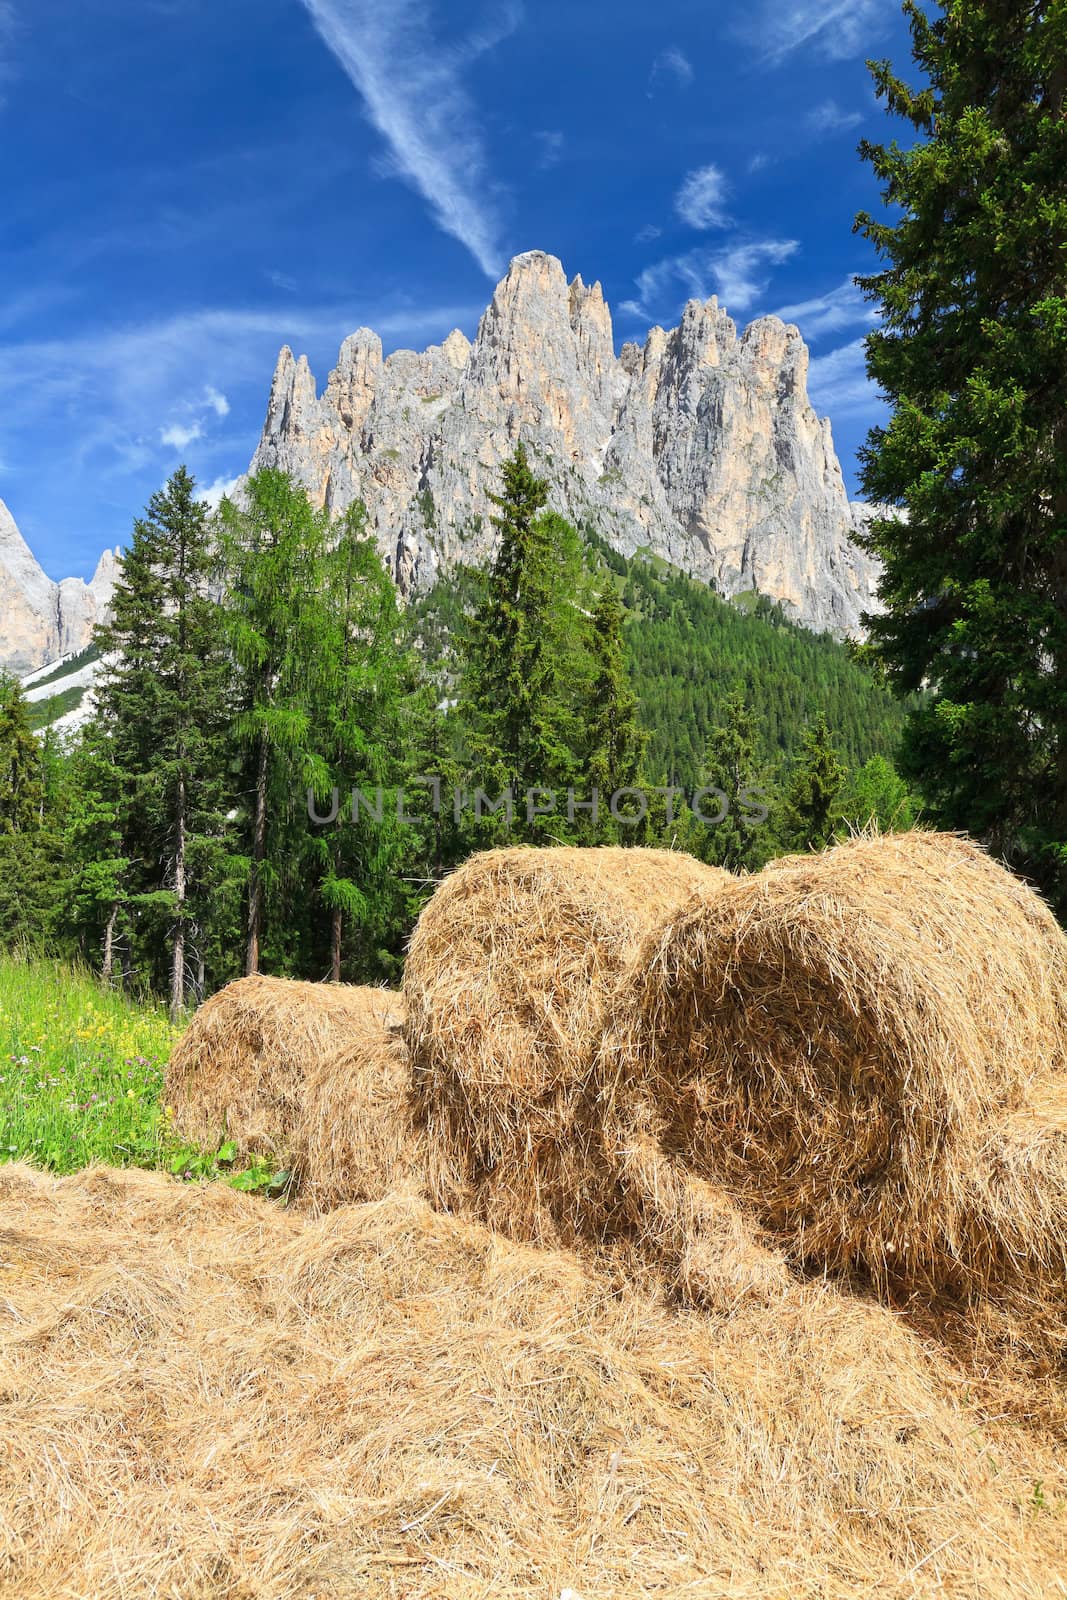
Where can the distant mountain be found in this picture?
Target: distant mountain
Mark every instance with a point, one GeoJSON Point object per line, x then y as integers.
{"type": "Point", "coordinates": [41, 621]}
{"type": "Point", "coordinates": [61, 696]}
{"type": "Point", "coordinates": [700, 447]}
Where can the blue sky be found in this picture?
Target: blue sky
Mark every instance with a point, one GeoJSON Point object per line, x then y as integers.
{"type": "Point", "coordinates": [189, 184]}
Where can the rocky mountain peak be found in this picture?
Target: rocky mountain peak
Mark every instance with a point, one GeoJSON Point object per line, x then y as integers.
{"type": "Point", "coordinates": [701, 445]}
{"type": "Point", "coordinates": [705, 336]}
{"type": "Point", "coordinates": [456, 349]}
{"type": "Point", "coordinates": [41, 620]}
{"type": "Point", "coordinates": [353, 381]}
{"type": "Point", "coordinates": [19, 565]}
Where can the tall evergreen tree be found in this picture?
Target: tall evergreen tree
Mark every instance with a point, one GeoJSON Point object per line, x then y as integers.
{"type": "Point", "coordinates": [614, 743]}
{"type": "Point", "coordinates": [359, 723]}
{"type": "Point", "coordinates": [124, 745]}
{"type": "Point", "coordinates": [95, 831]}
{"type": "Point", "coordinates": [972, 354]}
{"type": "Point", "coordinates": [28, 842]}
{"type": "Point", "coordinates": [274, 570]}
{"type": "Point", "coordinates": [525, 665]}
{"type": "Point", "coordinates": [126, 699]}
{"type": "Point", "coordinates": [163, 702]}
{"type": "Point", "coordinates": [732, 765]}
{"type": "Point", "coordinates": [685, 649]}
{"type": "Point", "coordinates": [21, 768]}
{"type": "Point", "coordinates": [810, 810]}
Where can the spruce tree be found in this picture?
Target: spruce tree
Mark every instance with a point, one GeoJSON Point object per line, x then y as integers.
{"type": "Point", "coordinates": [732, 765]}
{"type": "Point", "coordinates": [21, 769]}
{"type": "Point", "coordinates": [614, 742]}
{"type": "Point", "coordinates": [163, 702]}
{"type": "Point", "coordinates": [28, 843]}
{"type": "Point", "coordinates": [360, 725]}
{"type": "Point", "coordinates": [810, 812]}
{"type": "Point", "coordinates": [435, 627]}
{"type": "Point", "coordinates": [274, 572]}
{"type": "Point", "coordinates": [94, 832]}
{"type": "Point", "coordinates": [525, 665]}
{"type": "Point", "coordinates": [972, 355]}
{"type": "Point", "coordinates": [124, 743]}
{"type": "Point", "coordinates": [126, 701]}
{"type": "Point", "coordinates": [194, 672]}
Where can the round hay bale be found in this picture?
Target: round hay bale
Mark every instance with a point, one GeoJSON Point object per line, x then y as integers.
{"type": "Point", "coordinates": [505, 987]}
{"type": "Point", "coordinates": [241, 1068]}
{"type": "Point", "coordinates": [355, 1140]}
{"type": "Point", "coordinates": [840, 1043]}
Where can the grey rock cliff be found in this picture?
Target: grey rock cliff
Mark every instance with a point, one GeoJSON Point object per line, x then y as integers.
{"type": "Point", "coordinates": [41, 620]}
{"type": "Point", "coordinates": [701, 446]}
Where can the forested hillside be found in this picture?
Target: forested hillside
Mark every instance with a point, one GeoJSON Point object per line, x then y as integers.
{"type": "Point", "coordinates": [688, 651]}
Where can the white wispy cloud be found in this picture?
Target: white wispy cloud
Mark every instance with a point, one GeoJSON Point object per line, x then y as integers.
{"type": "Point", "coordinates": [830, 118]}
{"type": "Point", "coordinates": [192, 418]}
{"type": "Point", "coordinates": [213, 494]}
{"type": "Point", "coordinates": [838, 383]}
{"type": "Point", "coordinates": [180, 435]}
{"type": "Point", "coordinates": [838, 29]}
{"type": "Point", "coordinates": [739, 275]}
{"type": "Point", "coordinates": [647, 234]}
{"type": "Point", "coordinates": [742, 273]}
{"type": "Point", "coordinates": [701, 199]}
{"type": "Point", "coordinates": [412, 89]}
{"type": "Point", "coordinates": [658, 285]}
{"type": "Point", "coordinates": [671, 66]}
{"type": "Point", "coordinates": [843, 307]}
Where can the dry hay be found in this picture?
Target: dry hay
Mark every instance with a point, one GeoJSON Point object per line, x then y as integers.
{"type": "Point", "coordinates": [240, 1069]}
{"type": "Point", "coordinates": [652, 1216]}
{"type": "Point", "coordinates": [1013, 1335]}
{"type": "Point", "coordinates": [504, 988]}
{"type": "Point", "coordinates": [861, 1048]}
{"type": "Point", "coordinates": [205, 1396]}
{"type": "Point", "coordinates": [355, 1139]}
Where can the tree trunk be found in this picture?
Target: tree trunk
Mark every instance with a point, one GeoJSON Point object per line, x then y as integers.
{"type": "Point", "coordinates": [336, 930]}
{"type": "Point", "coordinates": [108, 965]}
{"type": "Point", "coordinates": [259, 851]}
{"type": "Point", "coordinates": [177, 979]}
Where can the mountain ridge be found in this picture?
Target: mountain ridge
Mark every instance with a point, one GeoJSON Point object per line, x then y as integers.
{"type": "Point", "coordinates": [701, 445]}
{"type": "Point", "coordinates": [41, 620]}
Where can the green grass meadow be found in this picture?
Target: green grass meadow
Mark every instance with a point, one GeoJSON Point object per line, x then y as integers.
{"type": "Point", "coordinates": [81, 1080]}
